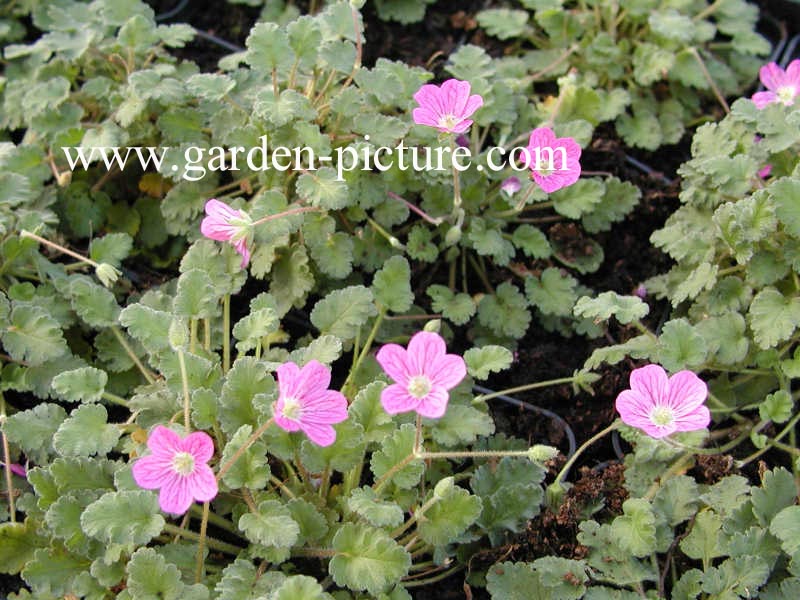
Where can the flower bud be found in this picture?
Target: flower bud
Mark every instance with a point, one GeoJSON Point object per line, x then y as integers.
{"type": "Point", "coordinates": [178, 335]}
{"type": "Point", "coordinates": [443, 487]}
{"type": "Point", "coordinates": [433, 326]}
{"type": "Point", "coordinates": [107, 274]}
{"type": "Point", "coordinates": [541, 453]}
{"type": "Point", "coordinates": [64, 179]}
{"type": "Point", "coordinates": [453, 236]}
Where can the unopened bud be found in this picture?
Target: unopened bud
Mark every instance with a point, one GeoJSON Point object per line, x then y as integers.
{"type": "Point", "coordinates": [433, 326]}
{"type": "Point", "coordinates": [395, 243]}
{"type": "Point", "coordinates": [178, 335]}
{"type": "Point", "coordinates": [64, 178]}
{"type": "Point", "coordinates": [453, 236]}
{"type": "Point", "coordinates": [443, 487]}
{"type": "Point", "coordinates": [541, 453]}
{"type": "Point", "coordinates": [107, 274]}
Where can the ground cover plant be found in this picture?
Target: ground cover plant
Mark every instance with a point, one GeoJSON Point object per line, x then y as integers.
{"type": "Point", "coordinates": [249, 308]}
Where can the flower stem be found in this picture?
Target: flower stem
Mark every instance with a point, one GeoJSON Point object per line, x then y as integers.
{"type": "Point", "coordinates": [211, 542]}
{"type": "Point", "coordinates": [148, 374]}
{"type": "Point", "coordinates": [12, 513]}
{"type": "Point", "coordinates": [186, 400]}
{"type": "Point", "coordinates": [568, 465]}
{"type": "Point", "coordinates": [286, 213]}
{"type": "Point", "coordinates": [226, 333]}
{"type": "Point", "coordinates": [243, 448]}
{"type": "Point", "coordinates": [522, 388]}
{"type": "Point", "coordinates": [472, 454]}
{"type": "Point", "coordinates": [27, 234]}
{"type": "Point", "coordinates": [382, 481]}
{"type": "Point", "coordinates": [416, 209]}
{"type": "Point", "coordinates": [708, 77]}
{"type": "Point", "coordinates": [114, 399]}
{"type": "Point", "coordinates": [201, 561]}
{"type": "Point", "coordinates": [679, 465]}
{"type": "Point", "coordinates": [364, 350]}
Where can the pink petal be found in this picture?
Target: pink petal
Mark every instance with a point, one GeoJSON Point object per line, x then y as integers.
{"type": "Point", "coordinates": [434, 404]}
{"type": "Point", "coordinates": [762, 99]}
{"type": "Point", "coordinates": [448, 371]}
{"type": "Point", "coordinates": [328, 408]}
{"type": "Point", "coordinates": [541, 137]}
{"type": "Point", "coordinates": [220, 211]}
{"type": "Point", "coordinates": [424, 349]}
{"type": "Point", "coordinates": [427, 96]}
{"type": "Point", "coordinates": [175, 497]}
{"type": "Point", "coordinates": [793, 73]}
{"type": "Point", "coordinates": [658, 432]}
{"type": "Point", "coordinates": [765, 171]}
{"type": "Point", "coordinates": [396, 399]}
{"type": "Point", "coordinates": [164, 441]}
{"type": "Point", "coordinates": [202, 483]}
{"type": "Point", "coordinates": [394, 361]}
{"type": "Point", "coordinates": [18, 470]}
{"type": "Point", "coordinates": [699, 418]}
{"type": "Point", "coordinates": [241, 248]}
{"type": "Point", "coordinates": [686, 392]}
{"type": "Point", "coordinates": [425, 116]}
{"type": "Point", "coordinates": [312, 381]}
{"type": "Point", "coordinates": [634, 408]}
{"type": "Point", "coordinates": [151, 472]}
{"type": "Point", "coordinates": [221, 231]}
{"type": "Point", "coordinates": [288, 379]}
{"type": "Point", "coordinates": [283, 422]}
{"type": "Point", "coordinates": [771, 76]}
{"type": "Point", "coordinates": [651, 382]}
{"type": "Point", "coordinates": [459, 127]}
{"type": "Point", "coordinates": [473, 103]}
{"type": "Point", "coordinates": [320, 434]}
{"type": "Point", "coordinates": [199, 445]}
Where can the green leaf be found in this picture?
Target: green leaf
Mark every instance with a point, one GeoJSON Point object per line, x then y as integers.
{"type": "Point", "coordinates": [325, 349]}
{"type": "Point", "coordinates": [392, 285]}
{"type": "Point", "coordinates": [112, 248]}
{"type": "Point", "coordinates": [532, 241]}
{"type": "Point", "coordinates": [736, 578]}
{"type": "Point", "coordinates": [251, 469]}
{"type": "Point", "coordinates": [461, 424]}
{"type": "Point", "coordinates": [242, 581]}
{"type": "Point", "coordinates": [86, 432]}
{"type": "Point", "coordinates": [151, 577]}
{"type": "Point", "coordinates": [704, 541]}
{"type": "Point", "coordinates": [323, 189]}
{"type": "Point", "coordinates": [300, 587]}
{"type": "Point", "coordinates": [786, 527]}
{"type": "Point", "coordinates": [725, 337]}
{"type": "Point", "coordinates": [380, 513]}
{"type": "Point", "coordinates": [402, 11]}
{"type": "Point", "coordinates": [777, 407]}
{"type": "Point", "coordinates": [54, 571]}
{"type": "Point", "coordinates": [287, 107]}
{"type": "Point", "coordinates": [272, 525]}
{"type": "Point", "coordinates": [247, 386]}
{"type": "Point", "coordinates": [635, 530]}
{"type": "Point", "coordinates": [651, 63]}
{"type": "Point", "coordinates": [515, 581]}
{"type": "Point", "coordinates": [553, 294]}
{"type": "Point", "coordinates": [32, 430]}
{"type": "Point", "coordinates": [251, 329]}
{"type": "Point", "coordinates": [786, 194]}
{"type": "Point", "coordinates": [32, 336]}
{"type": "Point", "coordinates": [394, 449]}
{"type": "Point", "coordinates": [344, 454]}
{"type": "Point", "coordinates": [777, 491]}
{"type": "Point", "coordinates": [94, 303]}
{"type": "Point", "coordinates": [488, 359]}
{"type": "Point", "coordinates": [195, 296]}
{"type": "Point", "coordinates": [449, 517]}
{"type": "Point", "coordinates": [367, 559]}
{"type": "Point", "coordinates": [420, 246]}
{"type": "Point", "coordinates": [291, 279]}
{"type": "Point", "coordinates": [676, 500]}
{"type": "Point", "coordinates": [210, 86]}
{"type": "Point", "coordinates": [367, 410]}
{"type": "Point", "coordinates": [312, 523]}
{"type": "Point", "coordinates": [86, 384]}
{"type": "Point", "coordinates": [619, 199]}
{"type": "Point", "coordinates": [128, 518]}
{"type": "Point", "coordinates": [579, 198]}
{"type": "Point", "coordinates": [773, 317]}
{"type": "Point", "coordinates": [147, 325]}
{"type": "Point", "coordinates": [18, 542]}
{"type": "Point", "coordinates": [680, 346]}
{"type": "Point", "coordinates": [344, 311]}
{"type": "Point", "coordinates": [489, 241]}
{"type": "Point", "coordinates": [566, 578]}
{"type": "Point", "coordinates": [268, 47]}
{"type": "Point", "coordinates": [625, 308]}
{"type": "Point", "coordinates": [728, 494]}
{"type": "Point", "coordinates": [458, 308]}
{"type": "Point", "coordinates": [503, 23]}
{"type": "Point", "coordinates": [505, 312]}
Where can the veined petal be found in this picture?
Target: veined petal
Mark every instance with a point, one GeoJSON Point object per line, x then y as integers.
{"type": "Point", "coordinates": [762, 99]}
{"type": "Point", "coordinates": [241, 248]}
{"type": "Point", "coordinates": [163, 441]}
{"type": "Point", "coordinates": [434, 404]}
{"type": "Point", "coordinates": [699, 418]}
{"type": "Point", "coordinates": [424, 349]}
{"type": "Point", "coordinates": [651, 382]}
{"type": "Point", "coordinates": [771, 75]}
{"type": "Point", "coordinates": [312, 380]}
{"type": "Point", "coordinates": [175, 497]}
{"type": "Point", "coordinates": [285, 423]}
{"type": "Point", "coordinates": [288, 379]}
{"type": "Point", "coordinates": [393, 359]}
{"type": "Point", "coordinates": [425, 116]}
{"type": "Point", "coordinates": [199, 445]}
{"type": "Point", "coordinates": [461, 126]}
{"type": "Point", "coordinates": [686, 392]}
{"type": "Point", "coordinates": [634, 408]}
{"type": "Point", "coordinates": [396, 399]}
{"type": "Point", "coordinates": [151, 472]}
{"type": "Point", "coordinates": [202, 483]}
{"type": "Point", "coordinates": [320, 434]}
{"type": "Point", "coordinates": [448, 371]}
{"type": "Point", "coordinates": [327, 407]}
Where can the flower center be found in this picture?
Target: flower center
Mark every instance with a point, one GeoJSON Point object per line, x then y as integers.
{"type": "Point", "coordinates": [183, 463]}
{"type": "Point", "coordinates": [448, 122]}
{"type": "Point", "coordinates": [662, 416]}
{"type": "Point", "coordinates": [786, 94]}
{"type": "Point", "coordinates": [419, 386]}
{"type": "Point", "coordinates": [243, 225]}
{"type": "Point", "coordinates": [291, 408]}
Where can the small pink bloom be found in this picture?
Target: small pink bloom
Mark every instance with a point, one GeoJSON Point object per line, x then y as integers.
{"type": "Point", "coordinates": [660, 406]}
{"type": "Point", "coordinates": [554, 162]}
{"type": "Point", "coordinates": [462, 141]}
{"type": "Point", "coordinates": [448, 107]}
{"type": "Point", "coordinates": [783, 86]}
{"type": "Point", "coordinates": [765, 171]}
{"type": "Point", "coordinates": [225, 224]}
{"type": "Point", "coordinates": [511, 185]}
{"type": "Point", "coordinates": [640, 291]}
{"type": "Point", "coordinates": [305, 402]}
{"type": "Point", "coordinates": [423, 375]}
{"type": "Point", "coordinates": [179, 467]}
{"type": "Point", "coordinates": [16, 469]}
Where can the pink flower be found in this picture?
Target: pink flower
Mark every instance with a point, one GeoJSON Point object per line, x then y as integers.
{"type": "Point", "coordinates": [765, 171]}
{"type": "Point", "coordinates": [224, 224]}
{"type": "Point", "coordinates": [660, 406]}
{"type": "Point", "coordinates": [448, 107]}
{"type": "Point", "coordinates": [511, 185]}
{"type": "Point", "coordinates": [554, 162]}
{"type": "Point", "coordinates": [423, 375]}
{"type": "Point", "coordinates": [305, 402]}
{"type": "Point", "coordinates": [177, 466]}
{"type": "Point", "coordinates": [783, 86]}
{"type": "Point", "coordinates": [16, 469]}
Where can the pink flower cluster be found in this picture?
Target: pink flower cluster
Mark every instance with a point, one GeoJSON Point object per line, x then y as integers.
{"type": "Point", "coordinates": [782, 86]}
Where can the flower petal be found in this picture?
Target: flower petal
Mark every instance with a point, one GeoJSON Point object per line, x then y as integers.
{"type": "Point", "coordinates": [202, 483]}
{"type": "Point", "coordinates": [448, 371]}
{"type": "Point", "coordinates": [288, 379]}
{"type": "Point", "coordinates": [175, 497]}
{"type": "Point", "coordinates": [320, 434]}
{"type": "Point", "coordinates": [762, 99]}
{"type": "Point", "coordinates": [686, 392]}
{"type": "Point", "coordinates": [634, 408]}
{"type": "Point", "coordinates": [434, 404]}
{"type": "Point", "coordinates": [241, 248]}
{"type": "Point", "coordinates": [699, 418]}
{"type": "Point", "coordinates": [651, 382]}
{"type": "Point", "coordinates": [771, 76]}
{"type": "Point", "coordinates": [393, 359]}
{"type": "Point", "coordinates": [151, 472]}
{"type": "Point", "coordinates": [312, 381]}
{"type": "Point", "coordinates": [200, 445]}
{"type": "Point", "coordinates": [164, 441]}
{"type": "Point", "coordinates": [793, 73]}
{"type": "Point", "coordinates": [424, 349]}
{"type": "Point", "coordinates": [425, 116]}
{"type": "Point", "coordinates": [396, 399]}
{"type": "Point", "coordinates": [328, 408]}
